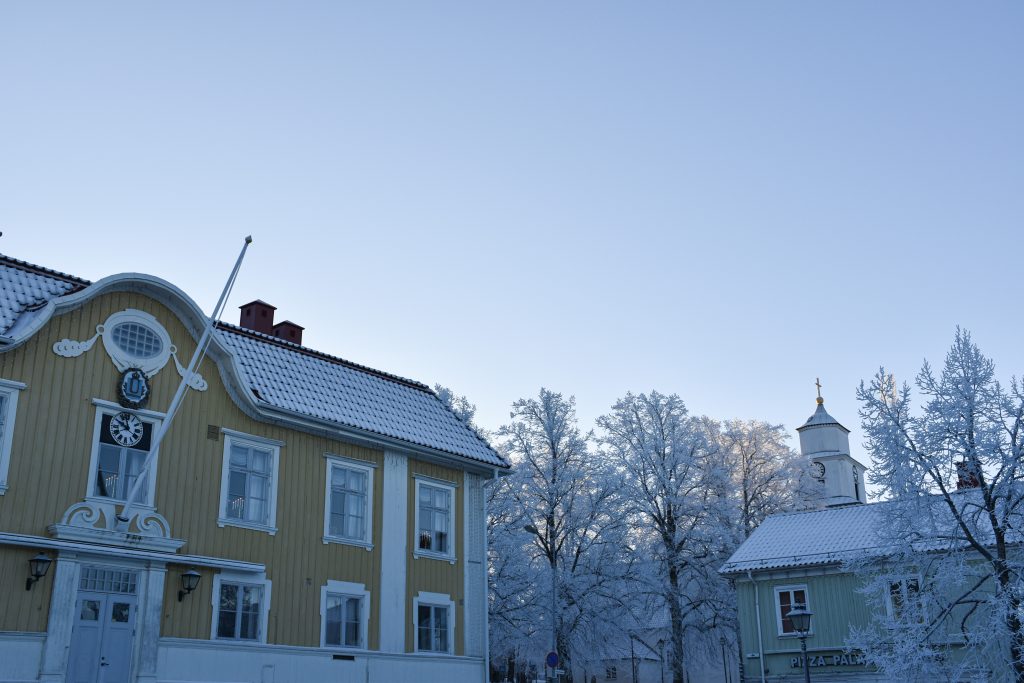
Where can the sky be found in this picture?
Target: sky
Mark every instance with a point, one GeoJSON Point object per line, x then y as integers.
{"type": "Point", "coordinates": [720, 200]}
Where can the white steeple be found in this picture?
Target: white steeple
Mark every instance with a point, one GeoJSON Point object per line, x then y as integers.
{"type": "Point", "coordinates": [825, 441]}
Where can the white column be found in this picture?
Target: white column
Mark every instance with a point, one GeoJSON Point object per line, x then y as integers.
{"type": "Point", "coordinates": [474, 609]}
{"type": "Point", "coordinates": [61, 619]}
{"type": "Point", "coordinates": [394, 549]}
{"type": "Point", "coordinates": [151, 607]}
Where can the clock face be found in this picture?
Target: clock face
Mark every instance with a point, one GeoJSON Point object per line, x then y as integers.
{"type": "Point", "coordinates": [126, 429]}
{"type": "Point", "coordinates": [818, 470]}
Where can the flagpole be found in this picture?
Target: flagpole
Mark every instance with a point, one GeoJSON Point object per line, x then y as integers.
{"type": "Point", "coordinates": [186, 380]}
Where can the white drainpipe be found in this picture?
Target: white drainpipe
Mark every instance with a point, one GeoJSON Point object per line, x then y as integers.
{"type": "Point", "coordinates": [757, 612]}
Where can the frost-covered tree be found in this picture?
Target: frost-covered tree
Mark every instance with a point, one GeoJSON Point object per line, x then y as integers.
{"type": "Point", "coordinates": [517, 607]}
{"type": "Point", "coordinates": [458, 404]}
{"type": "Point", "coordinates": [677, 493]}
{"type": "Point", "coordinates": [566, 499]}
{"type": "Point", "coordinates": [946, 584]}
{"type": "Point", "coordinates": [768, 477]}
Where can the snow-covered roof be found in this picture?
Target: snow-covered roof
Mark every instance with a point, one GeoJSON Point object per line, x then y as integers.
{"type": "Point", "coordinates": [289, 377]}
{"type": "Point", "coordinates": [820, 418]}
{"type": "Point", "coordinates": [835, 535]}
{"type": "Point", "coordinates": [26, 286]}
{"type": "Point", "coordinates": [807, 538]}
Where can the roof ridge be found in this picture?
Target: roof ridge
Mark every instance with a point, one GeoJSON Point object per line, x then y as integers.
{"type": "Point", "coordinates": [305, 350]}
{"type": "Point", "coordinates": [850, 506]}
{"type": "Point", "coordinates": [42, 270]}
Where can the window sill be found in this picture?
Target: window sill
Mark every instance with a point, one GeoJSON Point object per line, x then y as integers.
{"type": "Point", "coordinates": [100, 500]}
{"type": "Point", "coordinates": [239, 641]}
{"type": "Point", "coordinates": [242, 524]}
{"type": "Point", "coordinates": [345, 649]}
{"type": "Point", "coordinates": [433, 653]}
{"type": "Point", "coordinates": [428, 555]}
{"type": "Point", "coordinates": [347, 541]}
{"type": "Point", "coordinates": [795, 635]}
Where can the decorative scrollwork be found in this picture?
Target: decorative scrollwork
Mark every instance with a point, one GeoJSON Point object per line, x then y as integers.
{"type": "Point", "coordinates": [88, 514]}
{"type": "Point", "coordinates": [69, 348]}
{"type": "Point", "coordinates": [149, 523]}
{"type": "Point", "coordinates": [95, 521]}
{"type": "Point", "coordinates": [196, 382]}
{"type": "Point", "coordinates": [134, 340]}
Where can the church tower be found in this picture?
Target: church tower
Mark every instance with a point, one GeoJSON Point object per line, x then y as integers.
{"type": "Point", "coordinates": [827, 444]}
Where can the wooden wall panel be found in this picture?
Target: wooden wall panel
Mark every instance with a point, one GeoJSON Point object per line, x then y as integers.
{"type": "Point", "coordinates": [22, 610]}
{"type": "Point", "coordinates": [833, 599]}
{"type": "Point", "coordinates": [193, 616]}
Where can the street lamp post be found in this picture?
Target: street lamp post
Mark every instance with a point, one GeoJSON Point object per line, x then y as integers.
{"type": "Point", "coordinates": [800, 617]}
{"type": "Point", "coordinates": [554, 592]}
{"type": "Point", "coordinates": [632, 656]}
{"type": "Point", "coordinates": [725, 664]}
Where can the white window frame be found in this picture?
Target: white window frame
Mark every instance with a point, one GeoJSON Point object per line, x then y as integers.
{"type": "Point", "coordinates": [123, 359]}
{"type": "Point", "coordinates": [10, 389]}
{"type": "Point", "coordinates": [248, 440]}
{"type": "Point", "coordinates": [238, 579]}
{"type": "Point", "coordinates": [155, 419]}
{"type": "Point", "coordinates": [364, 468]}
{"type": "Point", "coordinates": [346, 589]}
{"type": "Point", "coordinates": [778, 607]}
{"type": "Point", "coordinates": [889, 607]}
{"type": "Point", "coordinates": [433, 600]}
{"type": "Point", "coordinates": [418, 552]}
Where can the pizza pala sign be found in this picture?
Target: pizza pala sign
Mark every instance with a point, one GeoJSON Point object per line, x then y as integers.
{"type": "Point", "coordinates": [839, 659]}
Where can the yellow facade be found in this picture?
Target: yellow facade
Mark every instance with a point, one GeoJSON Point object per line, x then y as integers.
{"type": "Point", "coordinates": [49, 471]}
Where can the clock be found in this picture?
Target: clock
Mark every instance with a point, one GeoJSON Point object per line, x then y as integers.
{"type": "Point", "coordinates": [818, 470]}
{"type": "Point", "coordinates": [125, 429]}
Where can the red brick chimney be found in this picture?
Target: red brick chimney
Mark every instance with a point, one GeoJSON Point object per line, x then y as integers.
{"type": "Point", "coordinates": [966, 477]}
{"type": "Point", "coordinates": [258, 315]}
{"type": "Point", "coordinates": [289, 331]}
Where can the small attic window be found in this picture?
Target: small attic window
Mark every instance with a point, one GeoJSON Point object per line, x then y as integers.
{"type": "Point", "coordinates": [137, 340]}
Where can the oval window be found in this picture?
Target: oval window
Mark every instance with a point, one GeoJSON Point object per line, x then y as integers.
{"type": "Point", "coordinates": [137, 340]}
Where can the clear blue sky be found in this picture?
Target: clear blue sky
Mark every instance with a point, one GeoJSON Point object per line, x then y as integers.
{"type": "Point", "coordinates": [723, 200]}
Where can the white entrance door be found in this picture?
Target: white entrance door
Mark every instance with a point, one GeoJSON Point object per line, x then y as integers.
{"type": "Point", "coordinates": [103, 635]}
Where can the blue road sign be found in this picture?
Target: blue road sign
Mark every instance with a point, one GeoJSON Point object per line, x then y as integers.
{"type": "Point", "coordinates": [551, 660]}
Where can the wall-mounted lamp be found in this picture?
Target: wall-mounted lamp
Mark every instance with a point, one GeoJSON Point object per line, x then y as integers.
{"type": "Point", "coordinates": [189, 581]}
{"type": "Point", "coordinates": [38, 566]}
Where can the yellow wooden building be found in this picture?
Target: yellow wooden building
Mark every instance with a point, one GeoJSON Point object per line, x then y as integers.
{"type": "Point", "coordinates": [306, 519]}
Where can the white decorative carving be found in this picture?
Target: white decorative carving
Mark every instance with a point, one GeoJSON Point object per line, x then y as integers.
{"type": "Point", "coordinates": [96, 521]}
{"type": "Point", "coordinates": [86, 515]}
{"type": "Point", "coordinates": [150, 363]}
{"type": "Point", "coordinates": [69, 348]}
{"type": "Point", "coordinates": [151, 523]}
{"type": "Point", "coordinates": [196, 381]}
{"type": "Point", "coordinates": [132, 339]}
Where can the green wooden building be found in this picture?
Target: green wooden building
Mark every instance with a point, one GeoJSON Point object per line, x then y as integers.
{"type": "Point", "coordinates": [796, 558]}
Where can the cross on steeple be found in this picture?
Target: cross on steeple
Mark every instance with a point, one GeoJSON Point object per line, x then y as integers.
{"type": "Point", "coordinates": [817, 383]}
